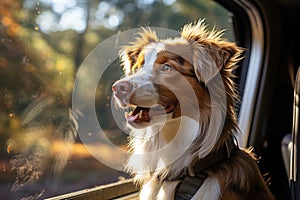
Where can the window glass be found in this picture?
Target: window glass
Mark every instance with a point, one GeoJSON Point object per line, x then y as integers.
{"type": "Point", "coordinates": [43, 43]}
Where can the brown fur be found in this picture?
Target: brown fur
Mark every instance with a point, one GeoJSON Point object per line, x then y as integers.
{"type": "Point", "coordinates": [199, 56]}
{"type": "Point", "coordinates": [240, 178]}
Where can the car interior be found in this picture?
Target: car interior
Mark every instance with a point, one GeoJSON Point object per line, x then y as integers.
{"type": "Point", "coordinates": [268, 82]}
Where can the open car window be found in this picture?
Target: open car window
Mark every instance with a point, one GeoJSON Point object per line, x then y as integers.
{"type": "Point", "coordinates": [43, 44]}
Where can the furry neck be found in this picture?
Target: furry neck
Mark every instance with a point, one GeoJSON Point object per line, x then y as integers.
{"type": "Point", "coordinates": [168, 150]}
{"type": "Point", "coordinates": [163, 150]}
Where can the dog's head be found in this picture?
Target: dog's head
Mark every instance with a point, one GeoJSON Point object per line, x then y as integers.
{"type": "Point", "coordinates": [168, 78]}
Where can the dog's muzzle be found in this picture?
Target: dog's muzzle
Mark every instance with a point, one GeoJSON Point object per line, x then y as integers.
{"type": "Point", "coordinates": [142, 102]}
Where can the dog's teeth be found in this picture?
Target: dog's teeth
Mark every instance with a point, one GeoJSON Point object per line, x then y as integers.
{"type": "Point", "coordinates": [140, 113]}
{"type": "Point", "coordinates": [126, 115]}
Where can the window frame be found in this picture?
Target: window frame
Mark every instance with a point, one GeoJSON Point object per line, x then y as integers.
{"type": "Point", "coordinates": [250, 34]}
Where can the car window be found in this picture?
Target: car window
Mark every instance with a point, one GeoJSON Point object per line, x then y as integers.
{"type": "Point", "coordinates": [43, 44]}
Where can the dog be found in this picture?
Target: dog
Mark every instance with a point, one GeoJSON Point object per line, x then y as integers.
{"type": "Point", "coordinates": [180, 95]}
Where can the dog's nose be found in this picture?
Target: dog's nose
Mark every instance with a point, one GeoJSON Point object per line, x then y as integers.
{"type": "Point", "coordinates": [122, 87]}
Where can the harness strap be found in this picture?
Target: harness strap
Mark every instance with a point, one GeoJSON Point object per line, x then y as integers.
{"type": "Point", "coordinates": [223, 153]}
{"type": "Point", "coordinates": [189, 185]}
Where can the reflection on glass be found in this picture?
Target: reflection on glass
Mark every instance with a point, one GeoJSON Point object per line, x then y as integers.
{"type": "Point", "coordinates": [42, 44]}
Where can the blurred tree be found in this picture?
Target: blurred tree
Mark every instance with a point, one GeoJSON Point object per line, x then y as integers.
{"type": "Point", "coordinates": [18, 83]}
{"type": "Point", "coordinates": [42, 44]}
{"type": "Point", "coordinates": [34, 109]}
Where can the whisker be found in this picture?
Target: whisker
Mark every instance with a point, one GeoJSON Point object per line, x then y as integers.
{"type": "Point", "coordinates": [167, 100]}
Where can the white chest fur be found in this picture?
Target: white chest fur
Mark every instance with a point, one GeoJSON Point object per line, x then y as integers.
{"type": "Point", "coordinates": [152, 190]}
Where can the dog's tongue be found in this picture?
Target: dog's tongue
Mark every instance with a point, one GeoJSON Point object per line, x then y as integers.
{"type": "Point", "coordinates": [139, 114]}
{"type": "Point", "coordinates": [142, 114]}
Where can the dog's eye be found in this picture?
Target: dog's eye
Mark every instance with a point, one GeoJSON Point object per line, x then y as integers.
{"type": "Point", "coordinates": [166, 68]}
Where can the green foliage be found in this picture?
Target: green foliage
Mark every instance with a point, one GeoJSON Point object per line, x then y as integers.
{"type": "Point", "coordinates": [41, 47]}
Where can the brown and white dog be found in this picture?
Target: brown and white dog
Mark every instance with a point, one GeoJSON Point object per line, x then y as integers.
{"type": "Point", "coordinates": [181, 95]}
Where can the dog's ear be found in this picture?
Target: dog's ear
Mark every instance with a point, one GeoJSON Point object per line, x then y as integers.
{"type": "Point", "coordinates": [129, 54]}
{"type": "Point", "coordinates": [210, 58]}
{"type": "Point", "coordinates": [211, 53]}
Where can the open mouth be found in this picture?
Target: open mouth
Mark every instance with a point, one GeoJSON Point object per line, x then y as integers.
{"type": "Point", "coordinates": [145, 114]}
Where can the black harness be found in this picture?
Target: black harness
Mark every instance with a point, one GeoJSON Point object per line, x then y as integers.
{"type": "Point", "coordinates": [189, 185]}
